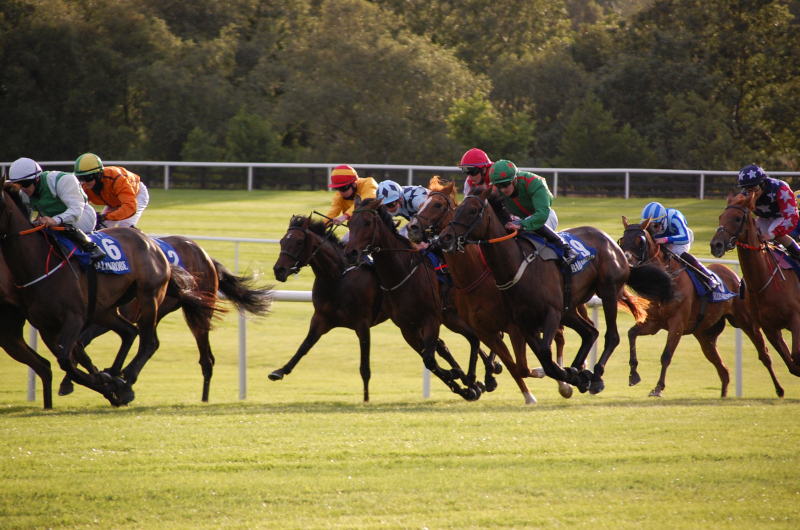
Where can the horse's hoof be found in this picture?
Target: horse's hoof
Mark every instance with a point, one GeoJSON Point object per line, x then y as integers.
{"type": "Point", "coordinates": [565, 390]}
{"type": "Point", "coordinates": [530, 399]}
{"type": "Point", "coordinates": [66, 388]}
{"type": "Point", "coordinates": [277, 375]}
{"type": "Point", "coordinates": [498, 368]}
{"type": "Point", "coordinates": [490, 385]}
{"type": "Point", "coordinates": [779, 391]}
{"type": "Point", "coordinates": [655, 393]}
{"type": "Point", "coordinates": [634, 379]}
{"type": "Point", "coordinates": [537, 372]}
{"type": "Point", "coordinates": [126, 397]}
{"type": "Point", "coordinates": [474, 392]}
{"type": "Point", "coordinates": [596, 387]}
{"type": "Point", "coordinates": [584, 381]}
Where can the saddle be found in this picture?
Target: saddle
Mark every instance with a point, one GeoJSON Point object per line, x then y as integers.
{"type": "Point", "coordinates": [547, 251]}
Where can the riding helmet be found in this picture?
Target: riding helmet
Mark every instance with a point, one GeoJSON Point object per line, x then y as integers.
{"type": "Point", "coordinates": [342, 176]}
{"type": "Point", "coordinates": [389, 191]}
{"type": "Point", "coordinates": [751, 175]}
{"type": "Point", "coordinates": [503, 171]}
{"type": "Point", "coordinates": [88, 166]}
{"type": "Point", "coordinates": [23, 169]}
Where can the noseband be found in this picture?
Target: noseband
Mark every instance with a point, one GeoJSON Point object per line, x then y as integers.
{"type": "Point", "coordinates": [371, 248]}
{"type": "Point", "coordinates": [294, 269]}
{"type": "Point", "coordinates": [644, 252]}
{"type": "Point", "coordinates": [462, 241]}
{"type": "Point", "coordinates": [436, 223]}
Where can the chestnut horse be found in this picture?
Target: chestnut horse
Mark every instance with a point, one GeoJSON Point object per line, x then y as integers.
{"type": "Point", "coordinates": [58, 298]}
{"type": "Point", "coordinates": [12, 322]}
{"type": "Point", "coordinates": [477, 297]}
{"type": "Point", "coordinates": [685, 314]}
{"type": "Point", "coordinates": [533, 288]}
{"type": "Point", "coordinates": [343, 297]}
{"type": "Point", "coordinates": [211, 277]}
{"type": "Point", "coordinates": [772, 295]}
{"type": "Point", "coordinates": [413, 295]}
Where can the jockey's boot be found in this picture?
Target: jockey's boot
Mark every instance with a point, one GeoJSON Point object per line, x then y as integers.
{"type": "Point", "coordinates": [793, 249]}
{"type": "Point", "coordinates": [551, 236]}
{"type": "Point", "coordinates": [84, 243]}
{"type": "Point", "coordinates": [703, 274]}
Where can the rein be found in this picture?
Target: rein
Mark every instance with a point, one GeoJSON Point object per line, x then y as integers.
{"type": "Point", "coordinates": [734, 242]}
{"type": "Point", "coordinates": [297, 266]}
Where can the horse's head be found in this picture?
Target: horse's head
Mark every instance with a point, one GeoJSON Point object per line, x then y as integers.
{"type": "Point", "coordinates": [735, 224]}
{"type": "Point", "coordinates": [434, 214]}
{"type": "Point", "coordinates": [368, 224]}
{"type": "Point", "coordinates": [15, 213]}
{"type": "Point", "coordinates": [637, 243]}
{"type": "Point", "coordinates": [469, 218]}
{"type": "Point", "coordinates": [295, 248]}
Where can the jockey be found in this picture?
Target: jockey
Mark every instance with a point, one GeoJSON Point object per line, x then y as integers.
{"type": "Point", "coordinates": [776, 207]}
{"type": "Point", "coordinates": [402, 201]}
{"type": "Point", "coordinates": [125, 197]}
{"type": "Point", "coordinates": [527, 196]}
{"type": "Point", "coordinates": [477, 166]}
{"type": "Point", "coordinates": [58, 198]}
{"type": "Point", "coordinates": [348, 186]}
{"type": "Point", "coordinates": [669, 228]}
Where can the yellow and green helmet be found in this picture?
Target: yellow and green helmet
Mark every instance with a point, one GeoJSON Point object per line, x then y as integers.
{"type": "Point", "coordinates": [87, 166]}
{"type": "Point", "coordinates": [503, 171]}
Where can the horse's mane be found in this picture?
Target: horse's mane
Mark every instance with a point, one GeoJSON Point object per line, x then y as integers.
{"type": "Point", "coordinates": [15, 192]}
{"type": "Point", "coordinates": [317, 227]}
{"type": "Point", "coordinates": [386, 217]}
{"type": "Point", "coordinates": [497, 202]}
{"type": "Point", "coordinates": [439, 184]}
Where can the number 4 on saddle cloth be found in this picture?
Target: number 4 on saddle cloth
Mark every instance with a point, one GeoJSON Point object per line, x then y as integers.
{"type": "Point", "coordinates": [547, 251]}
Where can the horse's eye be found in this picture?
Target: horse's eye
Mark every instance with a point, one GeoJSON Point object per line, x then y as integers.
{"type": "Point", "coordinates": [438, 205]}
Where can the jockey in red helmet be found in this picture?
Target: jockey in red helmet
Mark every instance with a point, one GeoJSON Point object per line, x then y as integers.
{"type": "Point", "coordinates": [476, 164]}
{"type": "Point", "coordinates": [348, 185]}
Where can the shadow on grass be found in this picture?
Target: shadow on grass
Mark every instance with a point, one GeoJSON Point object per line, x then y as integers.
{"type": "Point", "coordinates": [430, 407]}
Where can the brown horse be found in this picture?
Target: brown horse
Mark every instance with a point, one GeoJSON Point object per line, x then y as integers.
{"type": "Point", "coordinates": [533, 287]}
{"type": "Point", "coordinates": [343, 296]}
{"type": "Point", "coordinates": [12, 322]}
{"type": "Point", "coordinates": [772, 295]}
{"type": "Point", "coordinates": [477, 297]}
{"type": "Point", "coordinates": [687, 313]}
{"type": "Point", "coordinates": [413, 296]}
{"type": "Point", "coordinates": [58, 298]}
{"type": "Point", "coordinates": [211, 277]}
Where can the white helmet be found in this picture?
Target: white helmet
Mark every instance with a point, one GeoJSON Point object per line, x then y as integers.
{"type": "Point", "coordinates": [23, 169]}
{"type": "Point", "coordinates": [389, 191]}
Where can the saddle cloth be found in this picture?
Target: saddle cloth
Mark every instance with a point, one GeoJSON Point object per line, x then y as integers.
{"type": "Point", "coordinates": [785, 261]}
{"type": "Point", "coordinates": [441, 269]}
{"type": "Point", "coordinates": [720, 292]}
{"type": "Point", "coordinates": [549, 252]}
{"type": "Point", "coordinates": [169, 251]}
{"type": "Point", "coordinates": [115, 261]}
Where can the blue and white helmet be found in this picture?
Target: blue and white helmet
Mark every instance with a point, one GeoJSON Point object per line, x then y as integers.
{"type": "Point", "coordinates": [389, 191]}
{"type": "Point", "coordinates": [751, 175]}
{"type": "Point", "coordinates": [655, 211]}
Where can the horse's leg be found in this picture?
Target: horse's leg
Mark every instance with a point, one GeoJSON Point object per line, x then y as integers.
{"type": "Point", "coordinates": [319, 326]}
{"type": "Point", "coordinates": [611, 342]}
{"type": "Point", "coordinates": [541, 346]}
{"type": "Point", "coordinates": [425, 345]}
{"type": "Point", "coordinates": [753, 332]}
{"type": "Point", "coordinates": [708, 343]}
{"type": "Point", "coordinates": [675, 332]}
{"type": "Point", "coordinates": [563, 388]}
{"type": "Point", "coordinates": [633, 377]}
{"type": "Point", "coordinates": [775, 338]}
{"type": "Point", "coordinates": [362, 330]}
{"type": "Point", "coordinates": [12, 341]}
{"type": "Point", "coordinates": [148, 344]}
{"type": "Point", "coordinates": [794, 328]}
{"type": "Point", "coordinates": [206, 359]}
{"type": "Point", "coordinates": [588, 333]}
{"type": "Point", "coordinates": [80, 356]}
{"type": "Point", "coordinates": [455, 371]}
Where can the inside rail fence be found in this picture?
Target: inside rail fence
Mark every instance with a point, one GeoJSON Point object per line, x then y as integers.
{"type": "Point", "coordinates": [305, 296]}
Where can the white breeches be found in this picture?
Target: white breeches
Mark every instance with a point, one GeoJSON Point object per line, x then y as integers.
{"type": "Point", "coordinates": [142, 199]}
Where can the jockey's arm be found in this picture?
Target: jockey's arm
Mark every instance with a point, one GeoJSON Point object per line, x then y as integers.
{"type": "Point", "coordinates": [69, 191]}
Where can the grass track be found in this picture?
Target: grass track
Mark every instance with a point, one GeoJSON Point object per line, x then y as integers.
{"type": "Point", "coordinates": [306, 453]}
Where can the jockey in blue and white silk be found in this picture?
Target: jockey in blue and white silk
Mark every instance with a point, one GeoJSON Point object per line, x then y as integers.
{"type": "Point", "coordinates": [669, 227]}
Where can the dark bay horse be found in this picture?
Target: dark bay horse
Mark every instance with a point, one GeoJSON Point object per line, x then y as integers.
{"type": "Point", "coordinates": [343, 296]}
{"type": "Point", "coordinates": [12, 322]}
{"type": "Point", "coordinates": [58, 298]}
{"type": "Point", "coordinates": [533, 287]}
{"type": "Point", "coordinates": [477, 297]}
{"type": "Point", "coordinates": [772, 295]}
{"type": "Point", "coordinates": [413, 295]}
{"type": "Point", "coordinates": [211, 277]}
{"type": "Point", "coordinates": [685, 314]}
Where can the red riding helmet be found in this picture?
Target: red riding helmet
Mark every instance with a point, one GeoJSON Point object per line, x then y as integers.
{"type": "Point", "coordinates": [474, 158]}
{"type": "Point", "coordinates": [342, 176]}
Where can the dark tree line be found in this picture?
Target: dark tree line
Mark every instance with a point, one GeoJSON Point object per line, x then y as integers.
{"type": "Point", "coordinates": [702, 84]}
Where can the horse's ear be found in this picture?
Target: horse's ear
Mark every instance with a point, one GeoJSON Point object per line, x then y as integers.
{"type": "Point", "coordinates": [380, 202]}
{"type": "Point", "coordinates": [624, 221]}
{"type": "Point", "coordinates": [307, 222]}
{"type": "Point", "coordinates": [730, 197]}
{"type": "Point", "coordinates": [358, 201]}
{"type": "Point", "coordinates": [646, 223]}
{"type": "Point", "coordinates": [750, 201]}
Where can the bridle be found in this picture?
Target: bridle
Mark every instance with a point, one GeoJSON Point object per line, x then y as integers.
{"type": "Point", "coordinates": [436, 223]}
{"type": "Point", "coordinates": [731, 243]}
{"type": "Point", "coordinates": [462, 240]}
{"type": "Point", "coordinates": [294, 269]}
{"type": "Point", "coordinates": [644, 251]}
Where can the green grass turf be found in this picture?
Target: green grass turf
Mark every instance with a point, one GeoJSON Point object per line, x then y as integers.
{"type": "Point", "coordinates": [306, 452]}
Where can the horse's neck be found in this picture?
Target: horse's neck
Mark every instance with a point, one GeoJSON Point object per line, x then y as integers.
{"type": "Point", "coordinates": [329, 262]}
{"type": "Point", "coordinates": [393, 260]}
{"type": "Point", "coordinates": [503, 257]}
{"type": "Point", "coordinates": [26, 256]}
{"type": "Point", "coordinates": [756, 264]}
{"type": "Point", "coordinates": [465, 267]}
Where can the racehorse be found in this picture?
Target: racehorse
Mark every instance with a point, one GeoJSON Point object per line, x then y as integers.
{"type": "Point", "coordinates": [772, 295]}
{"type": "Point", "coordinates": [58, 298]}
{"type": "Point", "coordinates": [12, 322]}
{"type": "Point", "coordinates": [477, 298]}
{"type": "Point", "coordinates": [343, 297]}
{"type": "Point", "coordinates": [687, 313]}
{"type": "Point", "coordinates": [413, 295]}
{"type": "Point", "coordinates": [533, 289]}
{"type": "Point", "coordinates": [211, 277]}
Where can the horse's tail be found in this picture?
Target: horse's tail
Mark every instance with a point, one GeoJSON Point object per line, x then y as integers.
{"type": "Point", "coordinates": [634, 305]}
{"type": "Point", "coordinates": [198, 307]}
{"type": "Point", "coordinates": [242, 293]}
{"type": "Point", "coordinates": [652, 281]}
